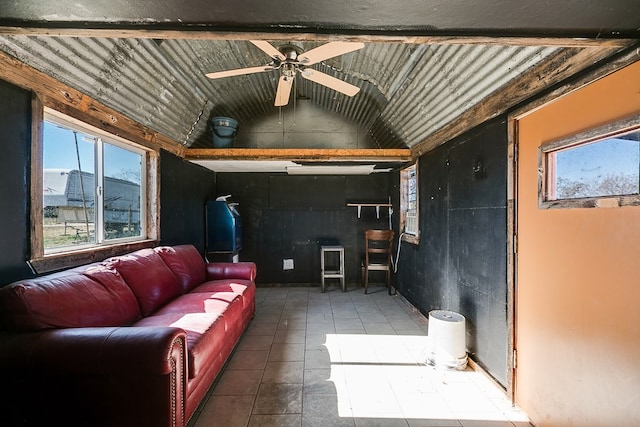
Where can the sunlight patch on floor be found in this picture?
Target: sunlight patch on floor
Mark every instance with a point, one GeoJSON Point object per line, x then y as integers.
{"type": "Point", "coordinates": [385, 376]}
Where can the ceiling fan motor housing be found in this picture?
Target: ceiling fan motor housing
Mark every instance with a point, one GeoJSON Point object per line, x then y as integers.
{"type": "Point", "coordinates": [290, 54]}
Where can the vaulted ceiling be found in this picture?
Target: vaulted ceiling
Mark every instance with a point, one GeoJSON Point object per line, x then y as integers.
{"type": "Point", "coordinates": [407, 91]}
{"type": "Point", "coordinates": [428, 70]}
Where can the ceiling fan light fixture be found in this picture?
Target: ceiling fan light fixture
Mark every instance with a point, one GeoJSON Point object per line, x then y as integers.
{"type": "Point", "coordinates": [288, 70]}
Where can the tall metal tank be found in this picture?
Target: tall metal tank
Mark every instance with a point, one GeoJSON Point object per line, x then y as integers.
{"type": "Point", "coordinates": [223, 226]}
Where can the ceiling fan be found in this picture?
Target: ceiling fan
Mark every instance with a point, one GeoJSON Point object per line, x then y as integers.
{"type": "Point", "coordinates": [290, 62]}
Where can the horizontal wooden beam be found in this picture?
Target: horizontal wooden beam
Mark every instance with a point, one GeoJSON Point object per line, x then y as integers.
{"type": "Point", "coordinates": [74, 103]}
{"type": "Point", "coordinates": [293, 154]}
{"type": "Point", "coordinates": [629, 57]}
{"type": "Point", "coordinates": [366, 38]}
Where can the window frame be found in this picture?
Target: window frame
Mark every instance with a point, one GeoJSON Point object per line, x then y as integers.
{"type": "Point", "coordinates": [404, 203]}
{"type": "Point", "coordinates": [546, 171]}
{"type": "Point", "coordinates": [42, 261]}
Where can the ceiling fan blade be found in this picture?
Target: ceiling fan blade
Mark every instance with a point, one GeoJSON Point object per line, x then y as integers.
{"type": "Point", "coordinates": [268, 48]}
{"type": "Point", "coordinates": [330, 82]}
{"type": "Point", "coordinates": [284, 91]}
{"type": "Point", "coordinates": [328, 50]}
{"type": "Point", "coordinates": [239, 72]}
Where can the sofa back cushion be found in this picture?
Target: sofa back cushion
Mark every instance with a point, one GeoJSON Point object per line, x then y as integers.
{"type": "Point", "coordinates": [89, 296]}
{"type": "Point", "coordinates": [151, 281]}
{"type": "Point", "coordinates": [186, 263]}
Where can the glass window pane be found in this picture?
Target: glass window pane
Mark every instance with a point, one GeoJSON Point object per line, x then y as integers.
{"type": "Point", "coordinates": [122, 192]}
{"type": "Point", "coordinates": [412, 196]}
{"type": "Point", "coordinates": [68, 187]}
{"type": "Point", "coordinates": [409, 201]}
{"type": "Point", "coordinates": [610, 167]}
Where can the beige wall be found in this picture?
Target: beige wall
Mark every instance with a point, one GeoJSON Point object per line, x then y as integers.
{"type": "Point", "coordinates": [578, 282]}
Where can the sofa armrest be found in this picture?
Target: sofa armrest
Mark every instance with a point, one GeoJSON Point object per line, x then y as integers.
{"type": "Point", "coordinates": [124, 376]}
{"type": "Point", "coordinates": [96, 351]}
{"type": "Point", "coordinates": [231, 270]}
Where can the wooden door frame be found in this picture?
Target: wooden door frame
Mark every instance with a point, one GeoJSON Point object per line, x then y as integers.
{"type": "Point", "coordinates": [512, 251]}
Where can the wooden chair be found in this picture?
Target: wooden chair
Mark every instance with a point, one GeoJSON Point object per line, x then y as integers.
{"type": "Point", "coordinates": [377, 254]}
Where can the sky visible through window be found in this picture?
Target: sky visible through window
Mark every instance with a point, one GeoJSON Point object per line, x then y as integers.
{"type": "Point", "coordinates": [606, 167]}
{"type": "Point", "coordinates": [612, 155]}
{"type": "Point", "coordinates": [60, 153]}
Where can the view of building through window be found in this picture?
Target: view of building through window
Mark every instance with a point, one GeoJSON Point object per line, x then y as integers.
{"type": "Point", "coordinates": [92, 188]}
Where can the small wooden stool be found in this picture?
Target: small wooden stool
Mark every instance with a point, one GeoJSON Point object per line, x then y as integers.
{"type": "Point", "coordinates": [332, 274]}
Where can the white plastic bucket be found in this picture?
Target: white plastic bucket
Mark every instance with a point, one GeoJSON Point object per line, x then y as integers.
{"type": "Point", "coordinates": [447, 340]}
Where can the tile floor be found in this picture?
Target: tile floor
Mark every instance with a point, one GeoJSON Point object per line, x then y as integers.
{"type": "Point", "coordinates": [345, 359]}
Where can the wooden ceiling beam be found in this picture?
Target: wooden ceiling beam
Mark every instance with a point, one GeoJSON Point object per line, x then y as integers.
{"type": "Point", "coordinates": [546, 74]}
{"type": "Point", "coordinates": [304, 155]}
{"type": "Point", "coordinates": [196, 34]}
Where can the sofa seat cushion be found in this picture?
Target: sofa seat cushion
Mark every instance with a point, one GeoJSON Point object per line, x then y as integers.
{"type": "Point", "coordinates": [209, 302]}
{"type": "Point", "coordinates": [227, 304]}
{"type": "Point", "coordinates": [206, 318]}
{"type": "Point", "coordinates": [186, 263]}
{"type": "Point", "coordinates": [152, 282]}
{"type": "Point", "coordinates": [245, 288]}
{"type": "Point", "coordinates": [87, 296]}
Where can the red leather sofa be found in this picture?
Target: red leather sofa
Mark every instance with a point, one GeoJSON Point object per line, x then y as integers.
{"type": "Point", "coordinates": [136, 340]}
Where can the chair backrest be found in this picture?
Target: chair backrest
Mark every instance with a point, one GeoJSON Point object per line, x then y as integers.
{"type": "Point", "coordinates": [378, 242]}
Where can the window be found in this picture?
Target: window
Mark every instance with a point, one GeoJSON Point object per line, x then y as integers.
{"type": "Point", "coordinates": [94, 189]}
{"type": "Point", "coordinates": [600, 167]}
{"type": "Point", "coordinates": [409, 204]}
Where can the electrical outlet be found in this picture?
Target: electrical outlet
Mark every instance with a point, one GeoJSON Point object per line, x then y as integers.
{"type": "Point", "coordinates": [287, 264]}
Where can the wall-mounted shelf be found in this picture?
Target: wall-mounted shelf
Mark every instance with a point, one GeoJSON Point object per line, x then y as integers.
{"type": "Point", "coordinates": [375, 205]}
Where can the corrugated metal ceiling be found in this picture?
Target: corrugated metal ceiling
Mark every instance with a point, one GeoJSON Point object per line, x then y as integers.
{"type": "Point", "coordinates": [408, 91]}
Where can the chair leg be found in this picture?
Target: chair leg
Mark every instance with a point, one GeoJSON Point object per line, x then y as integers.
{"type": "Point", "coordinates": [366, 279]}
{"type": "Point", "coordinates": [389, 283]}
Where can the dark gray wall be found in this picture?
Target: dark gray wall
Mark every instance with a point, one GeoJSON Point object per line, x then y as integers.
{"type": "Point", "coordinates": [184, 190]}
{"type": "Point", "coordinates": [15, 128]}
{"type": "Point", "coordinates": [291, 216]}
{"type": "Point", "coordinates": [304, 125]}
{"type": "Point", "coordinates": [460, 263]}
